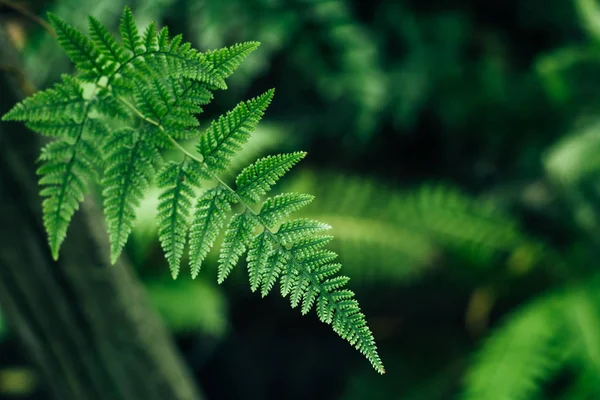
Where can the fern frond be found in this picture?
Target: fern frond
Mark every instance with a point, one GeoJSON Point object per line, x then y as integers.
{"type": "Point", "coordinates": [276, 208]}
{"type": "Point", "coordinates": [63, 100]}
{"type": "Point", "coordinates": [155, 85]}
{"type": "Point", "coordinates": [256, 179]}
{"type": "Point", "coordinates": [130, 169]}
{"type": "Point", "coordinates": [289, 276]}
{"type": "Point", "coordinates": [79, 48]}
{"type": "Point", "coordinates": [313, 281]}
{"type": "Point", "coordinates": [273, 269]}
{"type": "Point", "coordinates": [225, 136]}
{"type": "Point", "coordinates": [228, 59]}
{"type": "Point", "coordinates": [519, 356]}
{"type": "Point", "coordinates": [63, 175]}
{"type": "Point", "coordinates": [319, 258]}
{"type": "Point", "coordinates": [129, 33]}
{"type": "Point", "coordinates": [440, 209]}
{"type": "Point", "coordinates": [305, 247]}
{"type": "Point", "coordinates": [291, 231]}
{"type": "Point", "coordinates": [237, 238]}
{"type": "Point", "coordinates": [101, 55]}
{"type": "Point", "coordinates": [106, 43]}
{"type": "Point", "coordinates": [175, 203]}
{"type": "Point", "coordinates": [150, 38]}
{"type": "Point", "coordinates": [179, 59]}
{"type": "Point", "coordinates": [400, 233]}
{"type": "Point", "coordinates": [583, 324]}
{"type": "Point", "coordinates": [211, 210]}
{"type": "Point", "coordinates": [65, 128]}
{"type": "Point", "coordinates": [259, 252]}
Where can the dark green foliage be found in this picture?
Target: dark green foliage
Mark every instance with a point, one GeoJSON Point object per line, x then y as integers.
{"type": "Point", "coordinates": [520, 356]}
{"type": "Point", "coordinates": [152, 86]}
{"type": "Point", "coordinates": [399, 233]}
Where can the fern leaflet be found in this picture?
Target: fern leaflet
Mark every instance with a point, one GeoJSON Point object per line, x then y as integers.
{"type": "Point", "coordinates": [518, 356]}
{"type": "Point", "coordinates": [259, 253]}
{"type": "Point", "coordinates": [236, 240]}
{"type": "Point", "coordinates": [256, 179]}
{"type": "Point", "coordinates": [211, 211]}
{"type": "Point", "coordinates": [63, 177]}
{"type": "Point", "coordinates": [63, 100]}
{"type": "Point", "coordinates": [276, 208]}
{"type": "Point", "coordinates": [131, 167]}
{"type": "Point", "coordinates": [175, 203]}
{"type": "Point", "coordinates": [226, 135]}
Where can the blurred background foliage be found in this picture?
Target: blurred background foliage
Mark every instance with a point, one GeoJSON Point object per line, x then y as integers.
{"type": "Point", "coordinates": [454, 146]}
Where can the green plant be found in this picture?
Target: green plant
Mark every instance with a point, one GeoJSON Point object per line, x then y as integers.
{"type": "Point", "coordinates": [400, 232]}
{"type": "Point", "coordinates": [132, 99]}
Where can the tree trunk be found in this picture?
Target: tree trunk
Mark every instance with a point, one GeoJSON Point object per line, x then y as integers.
{"type": "Point", "coordinates": [86, 325]}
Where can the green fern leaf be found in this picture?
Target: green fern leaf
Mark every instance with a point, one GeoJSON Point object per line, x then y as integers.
{"type": "Point", "coordinates": [228, 59]}
{"type": "Point", "coordinates": [319, 258]}
{"type": "Point", "coordinates": [150, 38]}
{"type": "Point", "coordinates": [129, 33]}
{"type": "Point", "coordinates": [276, 208]}
{"type": "Point", "coordinates": [440, 210]}
{"type": "Point", "coordinates": [175, 203]}
{"type": "Point", "coordinates": [289, 276]}
{"type": "Point", "coordinates": [63, 100]}
{"type": "Point", "coordinates": [518, 356]}
{"type": "Point", "coordinates": [106, 44]}
{"type": "Point", "coordinates": [184, 61]}
{"type": "Point", "coordinates": [350, 324]}
{"type": "Point", "coordinates": [211, 210]}
{"type": "Point", "coordinates": [225, 136]}
{"type": "Point", "coordinates": [65, 128]}
{"type": "Point", "coordinates": [291, 231]}
{"type": "Point", "coordinates": [259, 253]}
{"type": "Point", "coordinates": [308, 246]}
{"type": "Point", "coordinates": [307, 277]}
{"type": "Point", "coordinates": [63, 177]}
{"type": "Point", "coordinates": [273, 270]}
{"type": "Point", "coordinates": [130, 169]}
{"type": "Point", "coordinates": [155, 85]}
{"type": "Point", "coordinates": [155, 55]}
{"type": "Point", "coordinates": [300, 287]}
{"type": "Point", "coordinates": [256, 180]}
{"type": "Point", "coordinates": [237, 238]}
{"type": "Point", "coordinates": [79, 49]}
{"type": "Point", "coordinates": [310, 296]}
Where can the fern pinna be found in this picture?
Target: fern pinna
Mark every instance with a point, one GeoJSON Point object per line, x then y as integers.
{"type": "Point", "coordinates": [131, 99]}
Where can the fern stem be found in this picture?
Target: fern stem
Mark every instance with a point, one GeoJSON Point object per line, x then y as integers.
{"type": "Point", "coordinates": [197, 158]}
{"type": "Point", "coordinates": [139, 113]}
